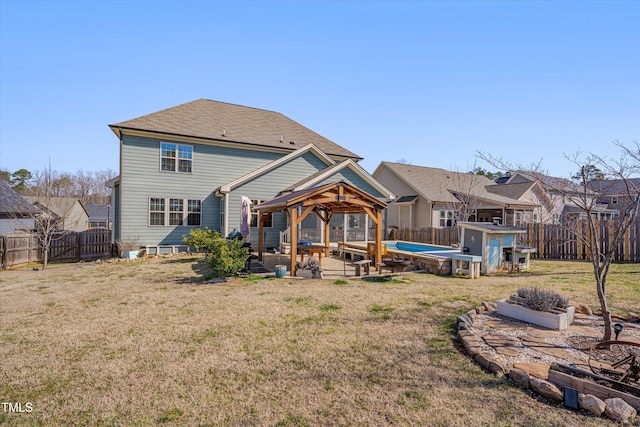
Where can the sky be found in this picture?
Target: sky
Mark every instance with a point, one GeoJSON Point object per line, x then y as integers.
{"type": "Point", "coordinates": [429, 83]}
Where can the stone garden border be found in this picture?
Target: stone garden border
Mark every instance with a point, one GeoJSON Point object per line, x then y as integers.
{"type": "Point", "coordinates": [614, 408]}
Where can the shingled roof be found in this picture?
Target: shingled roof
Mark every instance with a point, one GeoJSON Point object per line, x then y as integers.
{"type": "Point", "coordinates": [220, 121]}
{"type": "Point", "coordinates": [13, 203]}
{"type": "Point", "coordinates": [439, 185]}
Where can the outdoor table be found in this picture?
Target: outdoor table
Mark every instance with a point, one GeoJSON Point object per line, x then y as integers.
{"type": "Point", "coordinates": [312, 249]}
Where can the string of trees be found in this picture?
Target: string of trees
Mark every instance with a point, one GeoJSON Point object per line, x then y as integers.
{"type": "Point", "coordinates": [88, 187]}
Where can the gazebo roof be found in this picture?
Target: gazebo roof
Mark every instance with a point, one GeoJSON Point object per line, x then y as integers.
{"type": "Point", "coordinates": [339, 197]}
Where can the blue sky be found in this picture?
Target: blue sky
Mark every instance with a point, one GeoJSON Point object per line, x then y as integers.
{"type": "Point", "coordinates": [428, 82]}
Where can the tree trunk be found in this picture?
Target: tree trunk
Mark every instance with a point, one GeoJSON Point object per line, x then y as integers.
{"type": "Point", "coordinates": [602, 297]}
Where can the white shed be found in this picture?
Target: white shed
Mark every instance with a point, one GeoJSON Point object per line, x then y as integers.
{"type": "Point", "coordinates": [496, 244]}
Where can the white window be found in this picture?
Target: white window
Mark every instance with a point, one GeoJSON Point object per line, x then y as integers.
{"type": "Point", "coordinates": [156, 211]}
{"type": "Point", "coordinates": [446, 218]}
{"type": "Point", "coordinates": [518, 218]}
{"type": "Point", "coordinates": [176, 214]}
{"type": "Point", "coordinates": [194, 212]}
{"type": "Point", "coordinates": [254, 216]}
{"type": "Point", "coordinates": [614, 200]}
{"type": "Point", "coordinates": [176, 158]}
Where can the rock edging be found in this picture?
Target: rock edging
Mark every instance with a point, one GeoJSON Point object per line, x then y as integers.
{"type": "Point", "coordinates": [615, 409]}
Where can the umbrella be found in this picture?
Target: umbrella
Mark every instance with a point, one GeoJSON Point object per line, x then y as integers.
{"type": "Point", "coordinates": [245, 217]}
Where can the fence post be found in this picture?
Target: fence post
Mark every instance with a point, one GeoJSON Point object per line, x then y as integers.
{"type": "Point", "coordinates": [541, 240]}
{"type": "Point", "coordinates": [627, 244]}
{"type": "Point", "coordinates": [3, 250]}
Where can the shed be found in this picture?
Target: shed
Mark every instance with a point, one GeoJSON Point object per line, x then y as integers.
{"type": "Point", "coordinates": [496, 245]}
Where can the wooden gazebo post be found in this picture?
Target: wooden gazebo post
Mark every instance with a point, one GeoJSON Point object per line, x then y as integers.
{"type": "Point", "coordinates": [293, 214]}
{"type": "Point", "coordinates": [378, 238]}
{"type": "Point", "coordinates": [260, 232]}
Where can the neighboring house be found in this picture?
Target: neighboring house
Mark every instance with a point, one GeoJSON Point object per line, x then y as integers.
{"type": "Point", "coordinates": [617, 194]}
{"type": "Point", "coordinates": [69, 211]}
{"type": "Point", "coordinates": [432, 197]}
{"type": "Point", "coordinates": [16, 213]}
{"type": "Point", "coordinates": [554, 196]}
{"type": "Point", "coordinates": [99, 215]}
{"type": "Point", "coordinates": [188, 166]}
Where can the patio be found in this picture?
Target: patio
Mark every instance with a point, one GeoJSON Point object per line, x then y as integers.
{"type": "Point", "coordinates": [332, 266]}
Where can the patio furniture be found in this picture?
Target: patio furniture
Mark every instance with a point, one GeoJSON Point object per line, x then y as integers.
{"type": "Point", "coordinates": [360, 264]}
{"type": "Point", "coordinates": [310, 250]}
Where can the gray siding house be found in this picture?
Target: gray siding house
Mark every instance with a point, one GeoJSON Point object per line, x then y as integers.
{"type": "Point", "coordinates": [16, 213]}
{"type": "Point", "coordinates": [188, 166]}
{"type": "Point", "coordinates": [433, 197]}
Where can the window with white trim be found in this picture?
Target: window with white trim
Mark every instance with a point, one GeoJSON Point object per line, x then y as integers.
{"type": "Point", "coordinates": [176, 157]}
{"type": "Point", "coordinates": [614, 200]}
{"type": "Point", "coordinates": [268, 223]}
{"type": "Point", "coordinates": [174, 211]}
{"type": "Point", "coordinates": [446, 218]}
{"type": "Point", "coordinates": [194, 212]}
{"type": "Point", "coordinates": [518, 218]}
{"type": "Point", "coordinates": [156, 211]}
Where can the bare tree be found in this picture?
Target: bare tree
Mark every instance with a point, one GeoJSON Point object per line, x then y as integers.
{"type": "Point", "coordinates": [101, 193]}
{"type": "Point", "coordinates": [85, 185]}
{"type": "Point", "coordinates": [51, 216]}
{"type": "Point", "coordinates": [584, 198]}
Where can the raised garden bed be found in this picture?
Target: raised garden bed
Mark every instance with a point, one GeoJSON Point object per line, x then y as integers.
{"type": "Point", "coordinates": [557, 319]}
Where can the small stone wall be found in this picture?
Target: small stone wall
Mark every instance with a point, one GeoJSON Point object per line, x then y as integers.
{"type": "Point", "coordinates": [434, 265]}
{"type": "Point", "coordinates": [614, 408]}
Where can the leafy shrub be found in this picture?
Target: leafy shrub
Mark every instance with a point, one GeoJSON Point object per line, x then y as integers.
{"type": "Point", "coordinates": [542, 300]}
{"type": "Point", "coordinates": [226, 257]}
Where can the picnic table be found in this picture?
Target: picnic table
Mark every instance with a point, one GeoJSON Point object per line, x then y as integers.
{"type": "Point", "coordinates": [312, 249]}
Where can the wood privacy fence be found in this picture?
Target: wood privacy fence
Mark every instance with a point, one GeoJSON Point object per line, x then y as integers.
{"type": "Point", "coordinates": [65, 247]}
{"type": "Point", "coordinates": [552, 241]}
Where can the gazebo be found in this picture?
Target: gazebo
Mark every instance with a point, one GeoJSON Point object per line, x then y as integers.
{"type": "Point", "coordinates": [325, 201]}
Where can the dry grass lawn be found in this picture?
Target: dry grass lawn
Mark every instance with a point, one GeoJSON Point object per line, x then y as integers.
{"type": "Point", "coordinates": [149, 342]}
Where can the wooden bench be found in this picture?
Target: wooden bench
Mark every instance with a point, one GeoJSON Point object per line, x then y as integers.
{"type": "Point", "coordinates": [360, 264]}
{"type": "Point", "coordinates": [353, 252]}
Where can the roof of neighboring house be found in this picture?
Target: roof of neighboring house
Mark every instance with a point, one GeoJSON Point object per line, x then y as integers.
{"type": "Point", "coordinates": [440, 185]}
{"type": "Point", "coordinates": [513, 191]}
{"type": "Point", "coordinates": [97, 212]}
{"type": "Point", "coordinates": [58, 205]}
{"type": "Point", "coordinates": [612, 187]}
{"type": "Point", "coordinates": [13, 203]}
{"type": "Point", "coordinates": [550, 183]}
{"type": "Point", "coordinates": [407, 199]}
{"type": "Point", "coordinates": [231, 123]}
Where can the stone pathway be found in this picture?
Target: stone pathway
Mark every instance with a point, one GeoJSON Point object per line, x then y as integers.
{"type": "Point", "coordinates": [525, 353]}
{"type": "Point", "coordinates": [533, 349]}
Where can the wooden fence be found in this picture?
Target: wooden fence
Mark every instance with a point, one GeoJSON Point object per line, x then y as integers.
{"type": "Point", "coordinates": [65, 247]}
{"type": "Point", "coordinates": [557, 242]}
{"type": "Point", "coordinates": [551, 241]}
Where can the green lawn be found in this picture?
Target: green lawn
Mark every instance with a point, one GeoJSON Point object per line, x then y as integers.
{"type": "Point", "coordinates": [149, 343]}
